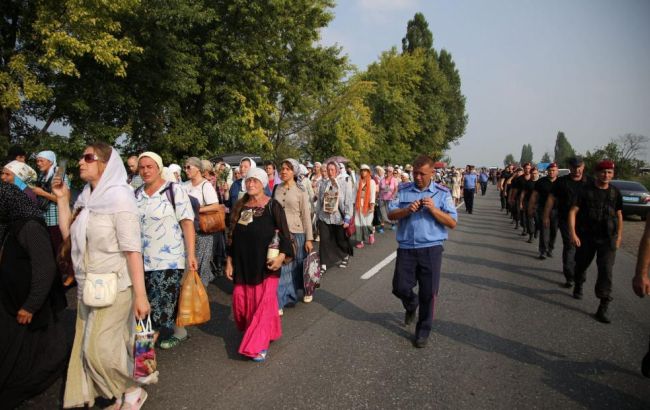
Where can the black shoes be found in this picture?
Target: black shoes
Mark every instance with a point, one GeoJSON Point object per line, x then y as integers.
{"type": "Point", "coordinates": [568, 284]}
{"type": "Point", "coordinates": [541, 256]}
{"type": "Point", "coordinates": [420, 342]}
{"type": "Point", "coordinates": [577, 292]}
{"type": "Point", "coordinates": [601, 314]}
{"type": "Point", "coordinates": [409, 317]}
{"type": "Point", "coordinates": [549, 254]}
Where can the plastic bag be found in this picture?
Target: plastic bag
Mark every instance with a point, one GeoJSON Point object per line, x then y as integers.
{"type": "Point", "coordinates": [193, 304]}
{"type": "Point", "coordinates": [311, 273]}
{"type": "Point", "coordinates": [145, 366]}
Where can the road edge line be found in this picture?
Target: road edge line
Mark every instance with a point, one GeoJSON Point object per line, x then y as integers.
{"type": "Point", "coordinates": [373, 271]}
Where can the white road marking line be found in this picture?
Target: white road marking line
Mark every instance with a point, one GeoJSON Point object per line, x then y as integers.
{"type": "Point", "coordinates": [461, 202]}
{"type": "Point", "coordinates": [372, 272]}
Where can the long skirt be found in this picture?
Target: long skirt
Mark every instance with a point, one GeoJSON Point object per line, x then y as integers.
{"type": "Point", "coordinates": [255, 309]}
{"type": "Point", "coordinates": [31, 360]}
{"type": "Point", "coordinates": [363, 226]}
{"type": "Point", "coordinates": [163, 288]}
{"type": "Point", "coordinates": [334, 245]}
{"type": "Point", "coordinates": [219, 250]}
{"type": "Point", "coordinates": [204, 257]}
{"type": "Point", "coordinates": [101, 363]}
{"type": "Point", "coordinates": [383, 208]}
{"type": "Point", "coordinates": [291, 274]}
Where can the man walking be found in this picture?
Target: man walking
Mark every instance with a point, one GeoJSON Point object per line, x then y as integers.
{"type": "Point", "coordinates": [538, 200]}
{"type": "Point", "coordinates": [425, 210]}
{"type": "Point", "coordinates": [596, 229]}
{"type": "Point", "coordinates": [470, 186]}
{"type": "Point", "coordinates": [563, 195]}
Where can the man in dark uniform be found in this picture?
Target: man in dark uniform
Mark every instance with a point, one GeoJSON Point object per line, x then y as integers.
{"type": "Point", "coordinates": [542, 190]}
{"type": "Point", "coordinates": [519, 185]}
{"type": "Point", "coordinates": [503, 178]}
{"type": "Point", "coordinates": [596, 229]}
{"type": "Point", "coordinates": [562, 196]}
{"type": "Point", "coordinates": [425, 210]}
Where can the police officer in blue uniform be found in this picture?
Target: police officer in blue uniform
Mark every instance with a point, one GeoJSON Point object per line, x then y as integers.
{"type": "Point", "coordinates": [425, 210]}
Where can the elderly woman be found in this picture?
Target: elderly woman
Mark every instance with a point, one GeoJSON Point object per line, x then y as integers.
{"type": "Point", "coordinates": [294, 199]}
{"type": "Point", "coordinates": [364, 208]}
{"type": "Point", "coordinates": [167, 245]}
{"type": "Point", "coordinates": [103, 236]}
{"type": "Point", "coordinates": [201, 189]}
{"type": "Point", "coordinates": [33, 352]}
{"type": "Point", "coordinates": [335, 207]}
{"type": "Point", "coordinates": [256, 220]}
{"type": "Point", "coordinates": [20, 174]}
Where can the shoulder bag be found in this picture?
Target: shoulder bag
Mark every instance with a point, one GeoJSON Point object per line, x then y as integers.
{"type": "Point", "coordinates": [212, 221]}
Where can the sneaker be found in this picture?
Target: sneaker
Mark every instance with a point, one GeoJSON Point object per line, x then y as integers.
{"type": "Point", "coordinates": [420, 342]}
{"type": "Point", "coordinates": [344, 263]}
{"type": "Point", "coordinates": [323, 268]}
{"type": "Point", "coordinates": [371, 239]}
{"type": "Point", "coordinates": [281, 312]}
{"type": "Point", "coordinates": [359, 245]}
{"type": "Point", "coordinates": [308, 298]}
{"type": "Point", "coordinates": [172, 342]}
{"type": "Point", "coordinates": [380, 229]}
{"type": "Point", "coordinates": [393, 227]}
{"type": "Point", "coordinates": [261, 356]}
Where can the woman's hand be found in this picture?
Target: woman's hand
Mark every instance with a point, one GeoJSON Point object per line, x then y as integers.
{"type": "Point", "coordinates": [141, 307]}
{"type": "Point", "coordinates": [192, 264]}
{"type": "Point", "coordinates": [575, 240]}
{"type": "Point", "coordinates": [24, 317]}
{"type": "Point", "coordinates": [59, 189]}
{"type": "Point", "coordinates": [309, 246]}
{"type": "Point", "coordinates": [275, 263]}
{"type": "Point", "coordinates": [228, 271]}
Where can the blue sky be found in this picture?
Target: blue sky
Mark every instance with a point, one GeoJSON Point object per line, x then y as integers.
{"type": "Point", "coordinates": [529, 68]}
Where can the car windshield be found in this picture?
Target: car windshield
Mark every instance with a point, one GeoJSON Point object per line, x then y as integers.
{"type": "Point", "coordinates": [629, 186]}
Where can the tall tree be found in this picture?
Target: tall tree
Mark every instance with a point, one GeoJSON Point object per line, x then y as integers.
{"type": "Point", "coordinates": [509, 159]}
{"type": "Point", "coordinates": [44, 41]}
{"type": "Point", "coordinates": [563, 150]}
{"type": "Point", "coordinates": [546, 158]}
{"type": "Point", "coordinates": [526, 154]}
{"type": "Point", "coordinates": [418, 34]}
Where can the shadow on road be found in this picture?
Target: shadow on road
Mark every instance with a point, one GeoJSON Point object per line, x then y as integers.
{"type": "Point", "coordinates": [389, 321]}
{"type": "Point", "coordinates": [570, 378]}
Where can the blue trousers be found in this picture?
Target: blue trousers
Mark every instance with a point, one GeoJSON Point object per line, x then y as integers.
{"type": "Point", "coordinates": [418, 267]}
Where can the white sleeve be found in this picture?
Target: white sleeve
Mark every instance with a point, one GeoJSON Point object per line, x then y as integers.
{"type": "Point", "coordinates": [208, 194]}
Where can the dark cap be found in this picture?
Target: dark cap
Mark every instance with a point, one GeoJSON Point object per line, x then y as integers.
{"type": "Point", "coordinates": [575, 162]}
{"type": "Point", "coordinates": [552, 165]}
{"type": "Point", "coordinates": [605, 164]}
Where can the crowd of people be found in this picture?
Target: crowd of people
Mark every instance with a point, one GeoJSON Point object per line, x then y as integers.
{"type": "Point", "coordinates": [140, 224]}
{"type": "Point", "coordinates": [143, 227]}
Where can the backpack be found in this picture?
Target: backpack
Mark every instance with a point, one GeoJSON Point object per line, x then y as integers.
{"type": "Point", "coordinates": [169, 192]}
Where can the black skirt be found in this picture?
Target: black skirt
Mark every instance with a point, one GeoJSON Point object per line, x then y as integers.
{"type": "Point", "coordinates": [333, 245]}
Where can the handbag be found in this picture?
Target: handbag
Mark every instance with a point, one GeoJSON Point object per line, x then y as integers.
{"type": "Point", "coordinates": [212, 221]}
{"type": "Point", "coordinates": [100, 289]}
{"type": "Point", "coordinates": [144, 354]}
{"type": "Point", "coordinates": [351, 229]}
{"type": "Point", "coordinates": [193, 303]}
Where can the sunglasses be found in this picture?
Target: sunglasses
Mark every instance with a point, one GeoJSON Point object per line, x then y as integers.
{"type": "Point", "coordinates": [187, 167]}
{"type": "Point", "coordinates": [89, 158]}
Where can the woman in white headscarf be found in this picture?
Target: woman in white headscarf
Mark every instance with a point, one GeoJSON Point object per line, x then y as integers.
{"type": "Point", "coordinates": [103, 236]}
{"type": "Point", "coordinates": [334, 210]}
{"type": "Point", "coordinates": [20, 174]}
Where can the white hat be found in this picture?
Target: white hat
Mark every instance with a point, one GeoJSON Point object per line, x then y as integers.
{"type": "Point", "coordinates": [364, 166]}
{"type": "Point", "coordinates": [259, 174]}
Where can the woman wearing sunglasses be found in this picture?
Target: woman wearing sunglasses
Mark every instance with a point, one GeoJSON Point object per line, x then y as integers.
{"type": "Point", "coordinates": [103, 236]}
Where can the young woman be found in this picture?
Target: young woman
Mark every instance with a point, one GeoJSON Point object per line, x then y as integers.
{"type": "Point", "coordinates": [364, 208]}
{"type": "Point", "coordinates": [294, 199]}
{"type": "Point", "coordinates": [256, 218]}
{"type": "Point", "coordinates": [104, 238]}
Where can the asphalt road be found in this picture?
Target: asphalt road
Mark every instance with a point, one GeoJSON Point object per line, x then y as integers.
{"type": "Point", "coordinates": [505, 336]}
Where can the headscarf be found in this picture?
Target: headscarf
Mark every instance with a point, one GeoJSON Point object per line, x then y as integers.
{"type": "Point", "coordinates": [50, 156]}
{"type": "Point", "coordinates": [253, 165]}
{"type": "Point", "coordinates": [366, 199]}
{"type": "Point", "coordinates": [15, 205]}
{"type": "Point", "coordinates": [111, 195]}
{"type": "Point", "coordinates": [22, 171]}
{"type": "Point", "coordinates": [380, 171]}
{"type": "Point", "coordinates": [167, 175]}
{"type": "Point", "coordinates": [173, 168]}
{"type": "Point", "coordinates": [259, 174]}
{"type": "Point", "coordinates": [297, 169]}
{"type": "Point", "coordinates": [156, 158]}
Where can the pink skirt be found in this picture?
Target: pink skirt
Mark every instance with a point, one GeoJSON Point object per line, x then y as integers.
{"type": "Point", "coordinates": [255, 309]}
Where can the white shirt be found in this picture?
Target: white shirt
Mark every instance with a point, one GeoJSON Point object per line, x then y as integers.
{"type": "Point", "coordinates": [163, 246]}
{"type": "Point", "coordinates": [204, 192]}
